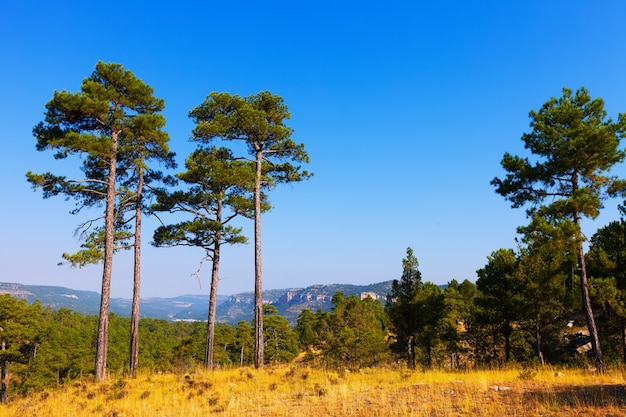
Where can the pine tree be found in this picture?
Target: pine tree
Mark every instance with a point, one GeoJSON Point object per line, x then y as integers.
{"type": "Point", "coordinates": [575, 145]}
{"type": "Point", "coordinates": [95, 124]}
{"type": "Point", "coordinates": [401, 309]}
{"type": "Point", "coordinates": [259, 121]}
{"type": "Point", "coordinates": [218, 192]}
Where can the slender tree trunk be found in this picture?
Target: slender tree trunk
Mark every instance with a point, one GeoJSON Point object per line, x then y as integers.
{"type": "Point", "coordinates": [134, 316]}
{"type": "Point", "coordinates": [210, 334]}
{"type": "Point", "coordinates": [105, 296]}
{"type": "Point", "coordinates": [623, 334]}
{"type": "Point", "coordinates": [210, 337]}
{"type": "Point", "coordinates": [258, 296]}
{"type": "Point", "coordinates": [3, 376]}
{"type": "Point", "coordinates": [3, 390]}
{"type": "Point", "coordinates": [586, 300]}
{"type": "Point", "coordinates": [507, 341]}
{"type": "Point", "coordinates": [584, 288]}
{"type": "Point", "coordinates": [410, 352]}
{"type": "Point", "coordinates": [539, 342]}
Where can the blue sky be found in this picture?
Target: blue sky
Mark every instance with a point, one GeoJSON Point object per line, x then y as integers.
{"type": "Point", "coordinates": [405, 108]}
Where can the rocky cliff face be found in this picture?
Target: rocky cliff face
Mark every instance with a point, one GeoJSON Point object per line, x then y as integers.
{"type": "Point", "coordinates": [289, 302]}
{"type": "Point", "coordinates": [319, 297]}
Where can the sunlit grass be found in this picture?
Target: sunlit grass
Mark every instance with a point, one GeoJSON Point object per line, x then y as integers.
{"type": "Point", "coordinates": [309, 392]}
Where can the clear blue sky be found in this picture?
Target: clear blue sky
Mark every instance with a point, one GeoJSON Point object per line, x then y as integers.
{"type": "Point", "coordinates": [405, 107]}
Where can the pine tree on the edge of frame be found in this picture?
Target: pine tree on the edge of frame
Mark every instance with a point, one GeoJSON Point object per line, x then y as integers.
{"type": "Point", "coordinates": [575, 146]}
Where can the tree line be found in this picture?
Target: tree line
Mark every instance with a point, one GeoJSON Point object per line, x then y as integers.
{"type": "Point", "coordinates": [114, 126]}
{"type": "Point", "coordinates": [504, 317]}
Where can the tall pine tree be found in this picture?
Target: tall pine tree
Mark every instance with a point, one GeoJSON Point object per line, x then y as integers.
{"type": "Point", "coordinates": [95, 124]}
{"type": "Point", "coordinates": [403, 313]}
{"type": "Point", "coordinates": [219, 190]}
{"type": "Point", "coordinates": [575, 145]}
{"type": "Point", "coordinates": [259, 122]}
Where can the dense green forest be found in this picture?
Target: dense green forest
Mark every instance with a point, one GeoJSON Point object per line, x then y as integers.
{"type": "Point", "coordinates": [549, 300]}
{"type": "Point", "coordinates": [499, 319]}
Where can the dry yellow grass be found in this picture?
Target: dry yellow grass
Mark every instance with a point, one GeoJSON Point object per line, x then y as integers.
{"type": "Point", "coordinates": [317, 393]}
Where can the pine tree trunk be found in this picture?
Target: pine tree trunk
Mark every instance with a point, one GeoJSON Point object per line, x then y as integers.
{"type": "Point", "coordinates": [210, 334]}
{"type": "Point", "coordinates": [507, 342]}
{"type": "Point", "coordinates": [623, 331]}
{"type": "Point", "coordinates": [258, 296]}
{"type": "Point", "coordinates": [134, 316]}
{"type": "Point", "coordinates": [3, 376]}
{"type": "Point", "coordinates": [105, 296]}
{"type": "Point", "coordinates": [410, 352]}
{"type": "Point", "coordinates": [584, 288]}
{"type": "Point", "coordinates": [588, 310]}
{"type": "Point", "coordinates": [539, 342]}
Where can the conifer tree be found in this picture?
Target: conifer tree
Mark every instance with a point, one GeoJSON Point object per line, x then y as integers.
{"type": "Point", "coordinates": [575, 145]}
{"type": "Point", "coordinates": [259, 122]}
{"type": "Point", "coordinates": [499, 302]}
{"type": "Point", "coordinates": [607, 262]}
{"type": "Point", "coordinates": [218, 191]}
{"type": "Point", "coordinates": [19, 324]}
{"type": "Point", "coordinates": [95, 124]}
{"type": "Point", "coordinates": [400, 307]}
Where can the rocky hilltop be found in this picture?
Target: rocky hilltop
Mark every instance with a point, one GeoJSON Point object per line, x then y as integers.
{"type": "Point", "coordinates": [230, 309]}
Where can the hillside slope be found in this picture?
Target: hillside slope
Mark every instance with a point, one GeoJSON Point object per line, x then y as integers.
{"type": "Point", "coordinates": [230, 309]}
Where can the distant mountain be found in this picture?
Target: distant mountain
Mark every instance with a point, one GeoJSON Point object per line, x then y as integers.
{"type": "Point", "coordinates": [88, 302]}
{"type": "Point", "coordinates": [230, 309]}
{"type": "Point", "coordinates": [289, 302]}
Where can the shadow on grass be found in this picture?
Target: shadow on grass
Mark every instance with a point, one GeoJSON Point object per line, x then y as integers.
{"type": "Point", "coordinates": [577, 396]}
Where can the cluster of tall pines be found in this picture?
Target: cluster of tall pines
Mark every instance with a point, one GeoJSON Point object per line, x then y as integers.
{"type": "Point", "coordinates": [114, 127]}
{"type": "Point", "coordinates": [549, 300]}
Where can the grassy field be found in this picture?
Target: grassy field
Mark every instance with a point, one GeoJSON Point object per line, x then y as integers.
{"type": "Point", "coordinates": [307, 392]}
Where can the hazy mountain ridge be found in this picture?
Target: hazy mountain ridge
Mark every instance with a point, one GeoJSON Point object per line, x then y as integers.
{"type": "Point", "coordinates": [230, 309]}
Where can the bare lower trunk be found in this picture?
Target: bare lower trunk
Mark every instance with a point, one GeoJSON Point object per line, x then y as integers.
{"type": "Point", "coordinates": [586, 301]}
{"type": "Point", "coordinates": [105, 295]}
{"type": "Point", "coordinates": [134, 317]}
{"type": "Point", "coordinates": [507, 342]}
{"type": "Point", "coordinates": [539, 343]}
{"type": "Point", "coordinates": [258, 296]}
{"type": "Point", "coordinates": [210, 334]}
{"type": "Point", "coordinates": [410, 352]}
{"type": "Point", "coordinates": [623, 332]}
{"type": "Point", "coordinates": [3, 376]}
{"type": "Point", "coordinates": [584, 289]}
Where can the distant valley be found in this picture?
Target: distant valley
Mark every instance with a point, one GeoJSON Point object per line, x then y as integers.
{"type": "Point", "coordinates": [230, 309]}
